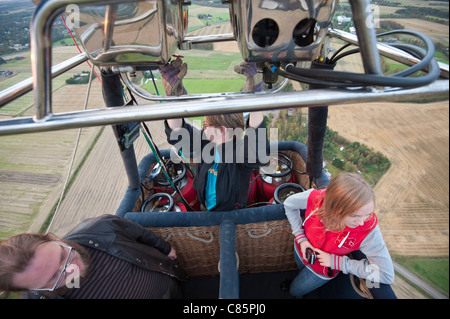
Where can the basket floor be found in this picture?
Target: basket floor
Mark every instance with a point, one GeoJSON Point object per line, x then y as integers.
{"type": "Point", "coordinates": [251, 286]}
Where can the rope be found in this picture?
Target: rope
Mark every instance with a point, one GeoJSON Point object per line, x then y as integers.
{"type": "Point", "coordinates": [157, 154]}
{"type": "Point", "coordinates": [191, 235]}
{"type": "Point", "coordinates": [73, 155]}
{"type": "Point", "coordinates": [76, 44]}
{"type": "Point", "coordinates": [250, 231]}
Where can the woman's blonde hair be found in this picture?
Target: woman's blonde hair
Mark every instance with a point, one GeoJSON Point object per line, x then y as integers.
{"type": "Point", "coordinates": [345, 195]}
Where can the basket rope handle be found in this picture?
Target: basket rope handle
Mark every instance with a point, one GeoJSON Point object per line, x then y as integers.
{"type": "Point", "coordinates": [206, 241]}
{"type": "Point", "coordinates": [251, 234]}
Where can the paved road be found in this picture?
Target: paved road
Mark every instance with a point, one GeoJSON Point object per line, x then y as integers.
{"type": "Point", "coordinates": [418, 282]}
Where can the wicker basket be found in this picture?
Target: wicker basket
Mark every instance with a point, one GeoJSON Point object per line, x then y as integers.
{"type": "Point", "coordinates": [198, 248]}
{"type": "Point", "coordinates": [260, 247]}
{"type": "Point", "coordinates": [265, 247]}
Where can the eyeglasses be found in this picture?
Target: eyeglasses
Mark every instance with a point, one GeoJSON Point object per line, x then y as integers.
{"type": "Point", "coordinates": [62, 274]}
{"type": "Point", "coordinates": [205, 125]}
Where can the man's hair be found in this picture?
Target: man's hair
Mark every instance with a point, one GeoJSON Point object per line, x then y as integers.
{"type": "Point", "coordinates": [15, 255]}
{"type": "Point", "coordinates": [233, 121]}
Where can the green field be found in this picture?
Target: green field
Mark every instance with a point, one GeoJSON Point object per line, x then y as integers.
{"type": "Point", "coordinates": [208, 72]}
{"type": "Point", "coordinates": [435, 270]}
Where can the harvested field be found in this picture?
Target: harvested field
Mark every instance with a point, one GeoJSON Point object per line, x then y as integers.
{"type": "Point", "coordinates": [436, 31]}
{"type": "Point", "coordinates": [413, 196]}
{"type": "Point", "coordinates": [33, 167]}
{"type": "Point", "coordinates": [219, 28]}
{"type": "Point", "coordinates": [102, 182]}
{"type": "Point", "coordinates": [29, 178]}
{"type": "Point", "coordinates": [33, 170]}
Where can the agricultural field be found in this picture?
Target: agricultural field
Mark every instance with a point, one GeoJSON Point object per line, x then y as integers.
{"type": "Point", "coordinates": [200, 16]}
{"type": "Point", "coordinates": [33, 167]}
{"type": "Point", "coordinates": [412, 197]}
{"type": "Point", "coordinates": [436, 31]}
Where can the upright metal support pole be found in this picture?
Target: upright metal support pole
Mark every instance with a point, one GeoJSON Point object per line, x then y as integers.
{"type": "Point", "coordinates": [365, 29]}
{"type": "Point", "coordinates": [229, 275]}
{"type": "Point", "coordinates": [110, 18]}
{"type": "Point", "coordinates": [112, 94]}
{"type": "Point", "coordinates": [41, 62]}
{"type": "Point", "coordinates": [317, 129]}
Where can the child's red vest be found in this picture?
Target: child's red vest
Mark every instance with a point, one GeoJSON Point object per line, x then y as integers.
{"type": "Point", "coordinates": [338, 243]}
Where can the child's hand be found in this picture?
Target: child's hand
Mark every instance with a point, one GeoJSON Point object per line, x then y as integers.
{"type": "Point", "coordinates": [305, 244]}
{"type": "Point", "coordinates": [324, 258]}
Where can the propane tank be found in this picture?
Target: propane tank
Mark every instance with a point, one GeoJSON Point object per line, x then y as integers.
{"type": "Point", "coordinates": [277, 172]}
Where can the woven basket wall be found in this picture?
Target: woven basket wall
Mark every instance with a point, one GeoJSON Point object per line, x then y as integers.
{"type": "Point", "coordinates": [261, 247]}
{"type": "Point", "coordinates": [265, 247]}
{"type": "Point", "coordinates": [198, 248]}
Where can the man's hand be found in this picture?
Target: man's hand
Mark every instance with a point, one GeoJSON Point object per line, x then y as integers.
{"type": "Point", "coordinates": [173, 254]}
{"type": "Point", "coordinates": [250, 71]}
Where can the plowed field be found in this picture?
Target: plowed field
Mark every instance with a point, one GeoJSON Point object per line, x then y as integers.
{"type": "Point", "coordinates": [412, 197]}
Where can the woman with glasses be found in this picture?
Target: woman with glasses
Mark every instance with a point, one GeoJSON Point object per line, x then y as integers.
{"type": "Point", "coordinates": [225, 156]}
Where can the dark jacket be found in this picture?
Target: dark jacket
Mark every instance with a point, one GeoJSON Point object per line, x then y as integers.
{"type": "Point", "coordinates": [239, 158]}
{"type": "Point", "coordinates": [123, 239]}
{"type": "Point", "coordinates": [126, 240]}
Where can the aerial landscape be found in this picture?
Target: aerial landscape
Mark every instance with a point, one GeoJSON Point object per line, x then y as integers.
{"type": "Point", "coordinates": [53, 180]}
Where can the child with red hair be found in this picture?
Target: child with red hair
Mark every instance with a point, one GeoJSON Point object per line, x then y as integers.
{"type": "Point", "coordinates": [338, 220]}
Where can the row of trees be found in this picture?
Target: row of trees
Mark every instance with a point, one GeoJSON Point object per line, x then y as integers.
{"type": "Point", "coordinates": [339, 152]}
{"type": "Point", "coordinates": [424, 12]}
{"type": "Point", "coordinates": [82, 78]}
{"type": "Point", "coordinates": [430, 14]}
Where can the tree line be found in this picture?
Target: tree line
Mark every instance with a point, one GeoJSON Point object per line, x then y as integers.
{"type": "Point", "coordinates": [82, 78]}
{"type": "Point", "coordinates": [339, 152]}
